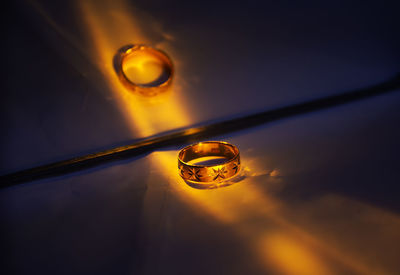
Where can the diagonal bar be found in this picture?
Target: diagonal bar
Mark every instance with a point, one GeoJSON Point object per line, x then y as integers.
{"type": "Point", "coordinates": [178, 137]}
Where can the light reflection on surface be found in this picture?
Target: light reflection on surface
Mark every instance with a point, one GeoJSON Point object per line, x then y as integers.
{"type": "Point", "coordinates": [290, 256]}
{"type": "Point", "coordinates": [262, 222]}
{"type": "Point", "coordinates": [258, 219]}
{"type": "Point", "coordinates": [143, 116]}
{"type": "Point", "coordinates": [143, 68]}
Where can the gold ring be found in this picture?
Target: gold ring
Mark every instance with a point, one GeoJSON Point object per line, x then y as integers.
{"type": "Point", "coordinates": [190, 156]}
{"type": "Point", "coordinates": [145, 70]}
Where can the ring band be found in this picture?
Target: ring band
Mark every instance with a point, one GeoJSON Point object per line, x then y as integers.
{"type": "Point", "coordinates": [196, 173]}
{"type": "Point", "coordinates": [154, 57]}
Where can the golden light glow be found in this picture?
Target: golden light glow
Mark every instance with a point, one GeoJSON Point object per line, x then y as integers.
{"type": "Point", "coordinates": [110, 27]}
{"type": "Point", "coordinates": [290, 250]}
{"type": "Point", "coordinates": [290, 256]}
{"type": "Point", "coordinates": [143, 67]}
{"type": "Point", "coordinates": [144, 70]}
{"type": "Point", "coordinates": [281, 246]}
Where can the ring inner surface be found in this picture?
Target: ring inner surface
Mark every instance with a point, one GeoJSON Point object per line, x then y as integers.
{"type": "Point", "coordinates": [221, 153]}
{"type": "Point", "coordinates": [146, 67]}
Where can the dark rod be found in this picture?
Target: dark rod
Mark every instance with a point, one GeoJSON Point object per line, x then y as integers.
{"type": "Point", "coordinates": [178, 137]}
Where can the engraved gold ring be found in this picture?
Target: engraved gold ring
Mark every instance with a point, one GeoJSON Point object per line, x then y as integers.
{"type": "Point", "coordinates": [190, 157]}
{"type": "Point", "coordinates": [145, 70]}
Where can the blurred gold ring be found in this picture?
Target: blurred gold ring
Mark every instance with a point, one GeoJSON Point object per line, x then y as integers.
{"type": "Point", "coordinates": [209, 173]}
{"type": "Point", "coordinates": [152, 70]}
